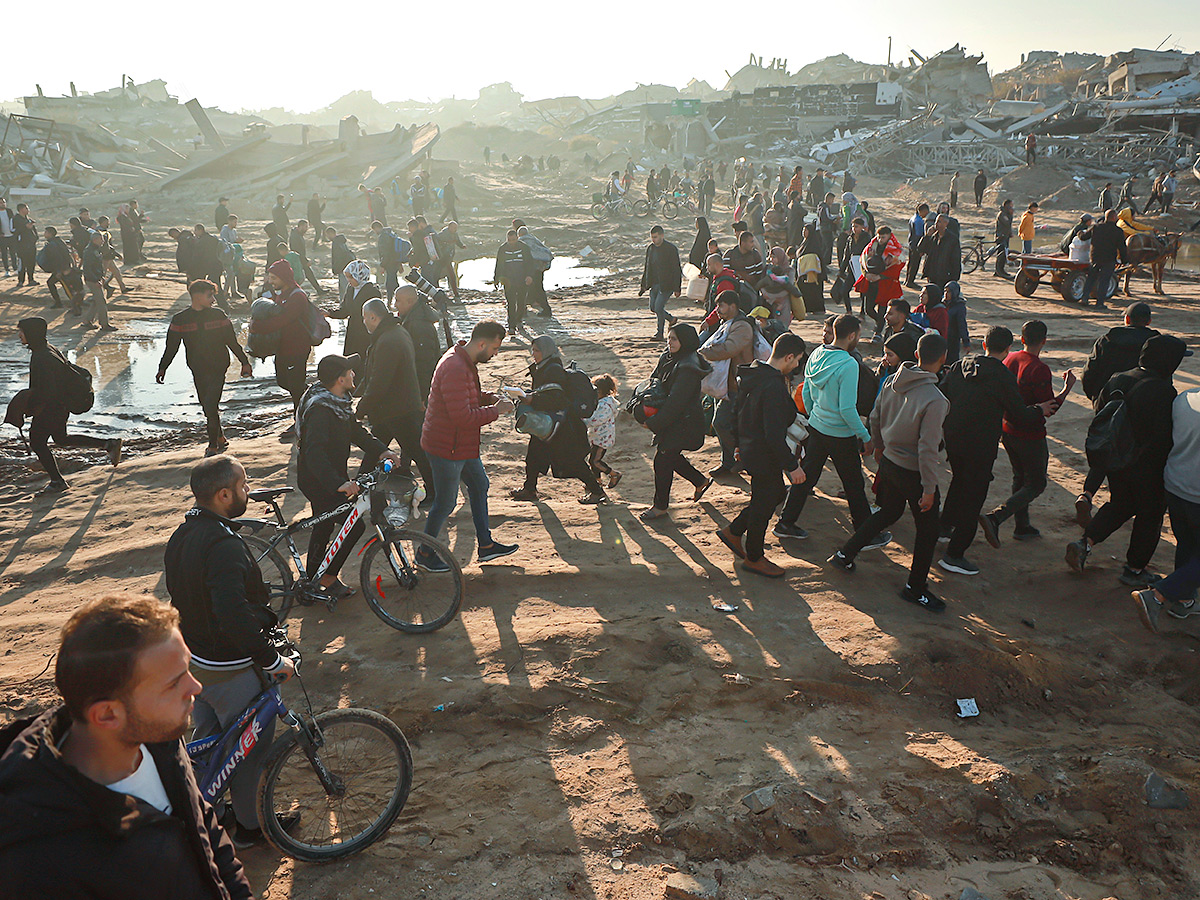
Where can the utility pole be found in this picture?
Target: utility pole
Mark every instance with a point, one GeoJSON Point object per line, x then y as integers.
{"type": "Point", "coordinates": [889, 51]}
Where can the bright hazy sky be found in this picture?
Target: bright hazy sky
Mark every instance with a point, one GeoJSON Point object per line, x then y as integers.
{"type": "Point", "coordinates": [302, 54]}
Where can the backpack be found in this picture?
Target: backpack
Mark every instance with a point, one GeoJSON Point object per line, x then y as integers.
{"type": "Point", "coordinates": [1109, 444]}
{"type": "Point", "coordinates": [748, 297]}
{"type": "Point", "coordinates": [225, 253]}
{"type": "Point", "coordinates": [919, 318]}
{"type": "Point", "coordinates": [542, 255]}
{"type": "Point", "coordinates": [581, 392]}
{"type": "Point", "coordinates": [77, 392]}
{"type": "Point", "coordinates": [53, 257]}
{"type": "Point", "coordinates": [316, 326]}
{"type": "Point", "coordinates": [400, 248]}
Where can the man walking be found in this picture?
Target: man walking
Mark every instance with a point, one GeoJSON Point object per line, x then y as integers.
{"type": "Point", "coordinates": [1004, 233]}
{"type": "Point", "coordinates": [943, 256]}
{"type": "Point", "coordinates": [1107, 248]}
{"type": "Point", "coordinates": [221, 216]}
{"type": "Point", "coordinates": [279, 216]}
{"type": "Point", "coordinates": [514, 272]}
{"type": "Point", "coordinates": [662, 276]}
{"type": "Point", "coordinates": [25, 240]}
{"type": "Point", "coordinates": [225, 618]}
{"type": "Point", "coordinates": [420, 321]}
{"type": "Point", "coordinates": [316, 213]}
{"type": "Point", "coordinates": [1026, 445]}
{"type": "Point", "coordinates": [733, 342]}
{"type": "Point", "coordinates": [980, 186]}
{"type": "Point", "coordinates": [983, 393]}
{"type": "Point", "coordinates": [450, 437]}
{"type": "Point", "coordinates": [207, 336]}
{"type": "Point", "coordinates": [906, 429]}
{"type": "Point", "coordinates": [93, 277]}
{"type": "Point", "coordinates": [8, 239]}
{"type": "Point", "coordinates": [449, 201]}
{"type": "Point", "coordinates": [296, 244]}
{"type": "Point", "coordinates": [542, 258]}
{"type": "Point", "coordinates": [916, 231]}
{"type": "Point", "coordinates": [835, 431]}
{"type": "Point", "coordinates": [765, 411]}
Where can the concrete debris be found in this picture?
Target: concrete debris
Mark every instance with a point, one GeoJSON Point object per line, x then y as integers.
{"type": "Point", "coordinates": [761, 800]}
{"type": "Point", "coordinates": [687, 887]}
{"type": "Point", "coordinates": [1160, 795]}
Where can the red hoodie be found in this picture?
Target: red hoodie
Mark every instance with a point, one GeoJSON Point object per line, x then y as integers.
{"type": "Point", "coordinates": [289, 321]}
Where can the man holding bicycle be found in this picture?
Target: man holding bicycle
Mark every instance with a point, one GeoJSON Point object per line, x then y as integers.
{"type": "Point", "coordinates": [225, 618]}
{"type": "Point", "coordinates": [98, 794]}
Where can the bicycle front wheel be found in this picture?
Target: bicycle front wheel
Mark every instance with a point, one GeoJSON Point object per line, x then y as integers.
{"type": "Point", "coordinates": [641, 208]}
{"type": "Point", "coordinates": [970, 260]}
{"type": "Point", "coordinates": [599, 210]}
{"type": "Point", "coordinates": [412, 581]}
{"type": "Point", "coordinates": [276, 573]}
{"type": "Point", "coordinates": [670, 209]}
{"type": "Point", "coordinates": [368, 774]}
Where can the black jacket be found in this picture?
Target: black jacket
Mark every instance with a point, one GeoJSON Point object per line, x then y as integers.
{"type": "Point", "coordinates": [943, 257]}
{"type": "Point", "coordinates": [980, 183]}
{"type": "Point", "coordinates": [47, 370]}
{"type": "Point", "coordinates": [390, 389]}
{"type": "Point", "coordinates": [661, 269]}
{"type": "Point", "coordinates": [764, 410]}
{"type": "Point", "coordinates": [207, 258]}
{"type": "Point", "coordinates": [315, 209]}
{"type": "Point", "coordinates": [1004, 220]}
{"type": "Point", "coordinates": [564, 453]}
{"type": "Point", "coordinates": [1117, 351]}
{"type": "Point", "coordinates": [325, 440]}
{"type": "Point", "coordinates": [296, 245]}
{"type": "Point", "coordinates": [221, 216]}
{"type": "Point", "coordinates": [341, 255]}
{"type": "Point", "coordinates": [207, 337]}
{"type": "Point", "coordinates": [279, 216]}
{"type": "Point", "coordinates": [93, 263]}
{"type": "Point", "coordinates": [513, 262]}
{"type": "Point", "coordinates": [421, 324]}
{"type": "Point", "coordinates": [185, 253]}
{"type": "Point", "coordinates": [66, 837]}
{"type": "Point", "coordinates": [982, 392]}
{"type": "Point", "coordinates": [357, 338]}
{"type": "Point", "coordinates": [1108, 243]}
{"type": "Point", "coordinates": [679, 423]}
{"type": "Point", "coordinates": [217, 586]}
{"type": "Point", "coordinates": [1148, 394]}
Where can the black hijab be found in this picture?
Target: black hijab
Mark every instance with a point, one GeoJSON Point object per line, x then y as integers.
{"type": "Point", "coordinates": [700, 246]}
{"type": "Point", "coordinates": [809, 243]}
{"type": "Point", "coordinates": [689, 341]}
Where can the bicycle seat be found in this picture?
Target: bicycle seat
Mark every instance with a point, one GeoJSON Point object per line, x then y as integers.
{"type": "Point", "coordinates": [977, 237]}
{"type": "Point", "coordinates": [266, 495]}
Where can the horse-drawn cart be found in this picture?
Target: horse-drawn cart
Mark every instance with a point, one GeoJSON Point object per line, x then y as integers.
{"type": "Point", "coordinates": [1067, 276]}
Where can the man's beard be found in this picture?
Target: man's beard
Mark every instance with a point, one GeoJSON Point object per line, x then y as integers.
{"type": "Point", "coordinates": [140, 731]}
{"type": "Point", "coordinates": [238, 507]}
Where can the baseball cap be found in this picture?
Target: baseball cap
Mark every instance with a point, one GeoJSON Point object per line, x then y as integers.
{"type": "Point", "coordinates": [333, 367]}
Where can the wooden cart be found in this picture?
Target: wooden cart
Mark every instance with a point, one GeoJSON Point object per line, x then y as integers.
{"type": "Point", "coordinates": [1065, 275]}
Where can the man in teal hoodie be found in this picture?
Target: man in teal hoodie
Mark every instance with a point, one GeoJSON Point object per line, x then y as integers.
{"type": "Point", "coordinates": [835, 431]}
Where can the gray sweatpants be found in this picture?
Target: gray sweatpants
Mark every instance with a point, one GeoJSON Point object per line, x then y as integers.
{"type": "Point", "coordinates": [223, 698]}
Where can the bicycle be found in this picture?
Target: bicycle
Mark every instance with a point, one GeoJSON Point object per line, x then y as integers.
{"type": "Point", "coordinates": [342, 776]}
{"type": "Point", "coordinates": [975, 256]}
{"type": "Point", "coordinates": [399, 575]}
{"type": "Point", "coordinates": [620, 206]}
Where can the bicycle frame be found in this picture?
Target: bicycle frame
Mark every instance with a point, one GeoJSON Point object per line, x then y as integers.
{"type": "Point", "coordinates": [219, 755]}
{"type": "Point", "coordinates": [358, 508]}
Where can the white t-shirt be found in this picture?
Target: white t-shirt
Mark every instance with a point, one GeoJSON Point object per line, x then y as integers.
{"type": "Point", "coordinates": [145, 784]}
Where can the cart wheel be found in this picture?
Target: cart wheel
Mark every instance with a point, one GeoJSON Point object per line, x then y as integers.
{"type": "Point", "coordinates": [1025, 283]}
{"type": "Point", "coordinates": [1071, 287]}
{"type": "Point", "coordinates": [1114, 284]}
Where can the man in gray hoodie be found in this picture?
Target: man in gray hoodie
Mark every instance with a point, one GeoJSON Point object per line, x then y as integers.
{"type": "Point", "coordinates": [906, 430]}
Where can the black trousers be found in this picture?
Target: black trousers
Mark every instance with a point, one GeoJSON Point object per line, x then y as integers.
{"type": "Point", "coordinates": [1132, 496]}
{"type": "Point", "coordinates": [1099, 278]}
{"type": "Point", "coordinates": [899, 487]}
{"type": "Point", "coordinates": [914, 265]}
{"type": "Point", "coordinates": [209, 387]}
{"type": "Point", "coordinates": [845, 455]}
{"type": "Point", "coordinates": [978, 197]}
{"type": "Point", "coordinates": [668, 463]}
{"type": "Point", "coordinates": [406, 432]}
{"type": "Point", "coordinates": [971, 475]}
{"type": "Point", "coordinates": [53, 424]}
{"type": "Point", "coordinates": [538, 462]}
{"type": "Point", "coordinates": [535, 294]}
{"type": "Point", "coordinates": [8, 252]}
{"type": "Point", "coordinates": [1029, 458]}
{"type": "Point", "coordinates": [319, 542]}
{"type": "Point", "coordinates": [27, 258]}
{"type": "Point", "coordinates": [1002, 255]}
{"type": "Point", "coordinates": [767, 491]}
{"type": "Point", "coordinates": [290, 375]}
{"type": "Point", "coordinates": [515, 295]}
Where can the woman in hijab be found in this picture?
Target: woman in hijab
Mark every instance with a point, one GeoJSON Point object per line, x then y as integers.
{"type": "Point", "coordinates": [359, 289]}
{"type": "Point", "coordinates": [809, 272]}
{"type": "Point", "coordinates": [700, 246]}
{"type": "Point", "coordinates": [130, 249]}
{"type": "Point", "coordinates": [678, 424]}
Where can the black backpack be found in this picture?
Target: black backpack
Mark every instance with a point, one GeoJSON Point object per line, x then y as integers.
{"type": "Point", "coordinates": [581, 392]}
{"type": "Point", "coordinates": [77, 393]}
{"type": "Point", "coordinates": [1110, 445]}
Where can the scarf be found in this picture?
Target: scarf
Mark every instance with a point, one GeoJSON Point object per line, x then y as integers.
{"type": "Point", "coordinates": [319, 395]}
{"type": "Point", "coordinates": [360, 272]}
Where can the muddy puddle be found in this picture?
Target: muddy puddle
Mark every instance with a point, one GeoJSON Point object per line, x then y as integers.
{"type": "Point", "coordinates": [564, 272]}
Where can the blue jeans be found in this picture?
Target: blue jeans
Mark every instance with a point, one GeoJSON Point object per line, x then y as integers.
{"type": "Point", "coordinates": [391, 282]}
{"type": "Point", "coordinates": [447, 473]}
{"type": "Point", "coordinates": [658, 306]}
{"type": "Point", "coordinates": [723, 422]}
{"type": "Point", "coordinates": [1181, 584]}
{"type": "Point", "coordinates": [1028, 246]}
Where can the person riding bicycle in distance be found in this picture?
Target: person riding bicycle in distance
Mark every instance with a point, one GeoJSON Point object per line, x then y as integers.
{"type": "Point", "coordinates": [326, 426]}
{"type": "Point", "coordinates": [225, 618]}
{"type": "Point", "coordinates": [98, 794]}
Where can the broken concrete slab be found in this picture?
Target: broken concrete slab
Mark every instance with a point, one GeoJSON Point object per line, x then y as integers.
{"type": "Point", "coordinates": [761, 800]}
{"type": "Point", "coordinates": [688, 887]}
{"type": "Point", "coordinates": [969, 893]}
{"type": "Point", "coordinates": [1160, 795]}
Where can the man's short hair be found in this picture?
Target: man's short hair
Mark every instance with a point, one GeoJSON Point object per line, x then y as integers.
{"type": "Point", "coordinates": [716, 256]}
{"type": "Point", "coordinates": [201, 286]}
{"type": "Point", "coordinates": [739, 227]}
{"type": "Point", "coordinates": [788, 344]}
{"type": "Point", "coordinates": [997, 338]}
{"type": "Point", "coordinates": [743, 235]}
{"type": "Point", "coordinates": [209, 476]}
{"type": "Point", "coordinates": [303, 222]}
{"type": "Point", "coordinates": [901, 304]}
{"type": "Point", "coordinates": [657, 229]}
{"type": "Point", "coordinates": [930, 348]}
{"type": "Point", "coordinates": [488, 330]}
{"type": "Point", "coordinates": [846, 325]}
{"type": "Point", "coordinates": [53, 232]}
{"type": "Point", "coordinates": [512, 232]}
{"type": "Point", "coordinates": [375, 307]}
{"type": "Point", "coordinates": [922, 206]}
{"type": "Point", "coordinates": [223, 200]}
{"type": "Point", "coordinates": [727, 298]}
{"type": "Point", "coordinates": [100, 644]}
{"type": "Point", "coordinates": [1138, 313]}
{"type": "Point", "coordinates": [1034, 332]}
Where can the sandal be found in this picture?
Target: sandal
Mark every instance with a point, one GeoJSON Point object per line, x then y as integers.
{"type": "Point", "coordinates": [701, 489]}
{"type": "Point", "coordinates": [649, 515]}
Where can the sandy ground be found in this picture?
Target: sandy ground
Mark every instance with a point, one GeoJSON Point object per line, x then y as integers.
{"type": "Point", "coordinates": [589, 702]}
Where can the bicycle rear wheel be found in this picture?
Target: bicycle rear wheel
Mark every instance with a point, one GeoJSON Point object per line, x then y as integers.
{"type": "Point", "coordinates": [970, 260]}
{"type": "Point", "coordinates": [641, 208]}
{"type": "Point", "coordinates": [412, 581]}
{"type": "Point", "coordinates": [369, 762]}
{"type": "Point", "coordinates": [599, 210]}
{"type": "Point", "coordinates": [276, 573]}
{"type": "Point", "coordinates": [670, 209]}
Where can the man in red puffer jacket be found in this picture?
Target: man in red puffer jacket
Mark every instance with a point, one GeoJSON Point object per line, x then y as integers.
{"type": "Point", "coordinates": [450, 438]}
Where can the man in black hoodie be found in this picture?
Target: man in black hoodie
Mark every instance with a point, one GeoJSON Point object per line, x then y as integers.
{"type": "Point", "coordinates": [1107, 249]}
{"type": "Point", "coordinates": [514, 270]}
{"type": "Point", "coordinates": [1136, 490]}
{"type": "Point", "coordinates": [764, 411]}
{"type": "Point", "coordinates": [982, 391]}
{"type": "Point", "coordinates": [51, 383]}
{"type": "Point", "coordinates": [207, 336]}
{"type": "Point", "coordinates": [97, 796]}
{"type": "Point", "coordinates": [1117, 351]}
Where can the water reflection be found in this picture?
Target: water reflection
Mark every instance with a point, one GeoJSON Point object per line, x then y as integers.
{"type": "Point", "coordinates": [564, 272]}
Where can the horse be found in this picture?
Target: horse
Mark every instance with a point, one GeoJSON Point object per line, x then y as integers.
{"type": "Point", "coordinates": [1144, 250]}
